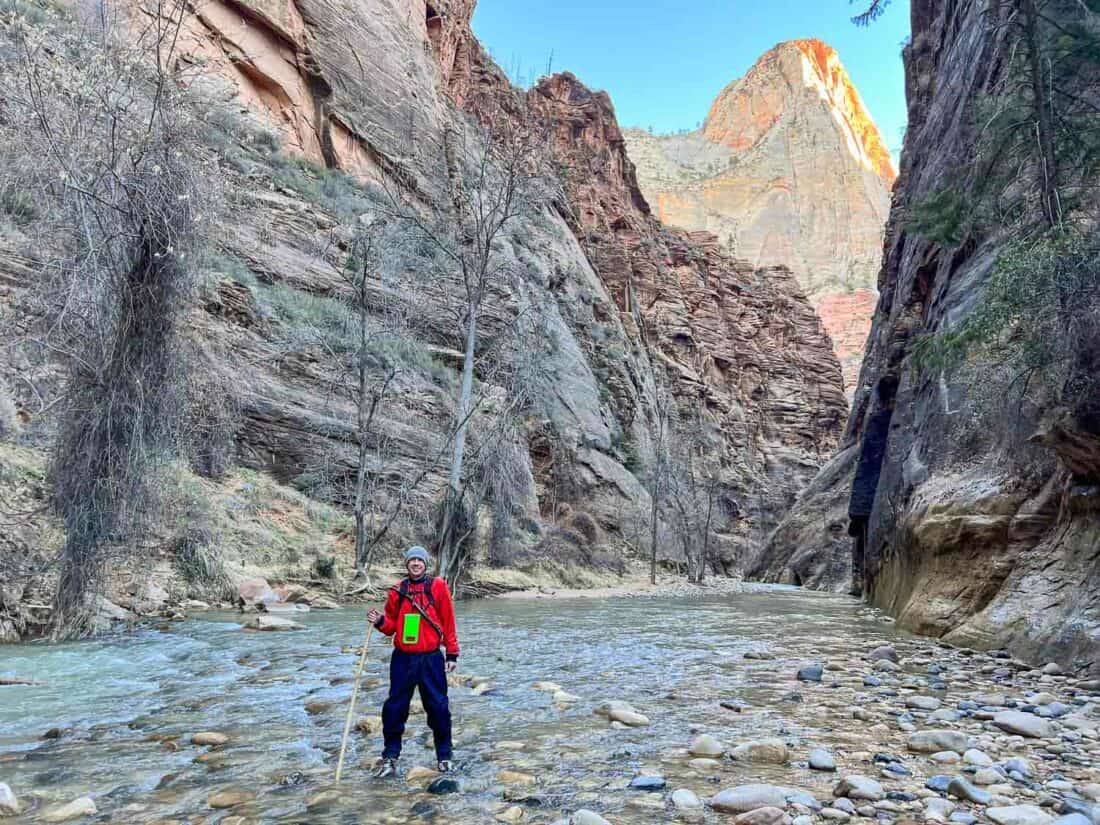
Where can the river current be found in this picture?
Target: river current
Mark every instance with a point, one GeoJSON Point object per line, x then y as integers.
{"type": "Point", "coordinates": [122, 710]}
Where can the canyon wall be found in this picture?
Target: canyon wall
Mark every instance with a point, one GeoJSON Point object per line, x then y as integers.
{"type": "Point", "coordinates": [974, 517]}
{"type": "Point", "coordinates": [787, 169]}
{"type": "Point", "coordinates": [369, 89]}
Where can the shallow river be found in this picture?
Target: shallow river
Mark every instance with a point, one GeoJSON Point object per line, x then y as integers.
{"type": "Point", "coordinates": [127, 706]}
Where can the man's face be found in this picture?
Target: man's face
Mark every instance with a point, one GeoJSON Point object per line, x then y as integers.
{"type": "Point", "coordinates": [416, 568]}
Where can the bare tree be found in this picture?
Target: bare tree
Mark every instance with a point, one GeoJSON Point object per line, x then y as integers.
{"type": "Point", "coordinates": [497, 173]}
{"type": "Point", "coordinates": [96, 127]}
{"type": "Point", "coordinates": [694, 485]}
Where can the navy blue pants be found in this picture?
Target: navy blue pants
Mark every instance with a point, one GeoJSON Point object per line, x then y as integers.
{"type": "Point", "coordinates": [409, 671]}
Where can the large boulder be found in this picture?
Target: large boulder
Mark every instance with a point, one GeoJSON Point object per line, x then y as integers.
{"type": "Point", "coordinates": [255, 591]}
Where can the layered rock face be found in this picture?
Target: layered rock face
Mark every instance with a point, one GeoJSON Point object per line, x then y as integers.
{"type": "Point", "coordinates": [788, 169]}
{"type": "Point", "coordinates": [976, 523]}
{"type": "Point", "coordinates": [370, 88]}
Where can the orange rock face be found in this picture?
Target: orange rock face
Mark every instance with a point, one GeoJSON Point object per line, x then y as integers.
{"type": "Point", "coordinates": [788, 170]}
{"type": "Point", "coordinates": [847, 318]}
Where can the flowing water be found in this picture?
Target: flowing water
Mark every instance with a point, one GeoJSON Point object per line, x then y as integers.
{"type": "Point", "coordinates": [126, 707]}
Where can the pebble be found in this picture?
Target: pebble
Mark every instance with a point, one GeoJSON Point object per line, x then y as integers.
{"type": "Point", "coordinates": [987, 776]}
{"type": "Point", "coordinates": [512, 814]}
{"type": "Point", "coordinates": [938, 809]}
{"type": "Point", "coordinates": [835, 814]}
{"type": "Point", "coordinates": [932, 741]}
{"type": "Point", "coordinates": [515, 778]}
{"type": "Point", "coordinates": [763, 816]}
{"type": "Point", "coordinates": [230, 798]}
{"type": "Point", "coordinates": [859, 787]}
{"type": "Point", "coordinates": [443, 785]}
{"type": "Point", "coordinates": [964, 790]}
{"type": "Point", "coordinates": [973, 756]}
{"type": "Point", "coordinates": [922, 702]}
{"type": "Point", "coordinates": [684, 799]}
{"type": "Point", "coordinates": [272, 623]}
{"type": "Point", "coordinates": [822, 760]}
{"type": "Point", "coordinates": [209, 737]}
{"type": "Point", "coordinates": [587, 817]}
{"type": "Point", "coordinates": [707, 746]}
{"type": "Point", "coordinates": [810, 673]}
{"type": "Point", "coordinates": [883, 652]}
{"type": "Point", "coordinates": [419, 772]}
{"type": "Point", "coordinates": [647, 783]}
{"type": "Point", "coordinates": [763, 751]}
{"type": "Point", "coordinates": [946, 757]}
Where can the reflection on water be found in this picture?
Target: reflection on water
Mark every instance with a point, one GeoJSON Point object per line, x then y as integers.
{"type": "Point", "coordinates": [126, 708]}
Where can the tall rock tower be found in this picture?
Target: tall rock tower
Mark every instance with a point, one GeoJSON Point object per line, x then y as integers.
{"type": "Point", "coordinates": [788, 169]}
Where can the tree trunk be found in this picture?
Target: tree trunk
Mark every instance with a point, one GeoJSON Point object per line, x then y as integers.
{"type": "Point", "coordinates": [1040, 103]}
{"type": "Point", "coordinates": [448, 545]}
{"type": "Point", "coordinates": [653, 532]}
{"type": "Point", "coordinates": [363, 416]}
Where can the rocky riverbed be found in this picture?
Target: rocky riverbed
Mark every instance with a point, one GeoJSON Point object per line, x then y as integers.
{"type": "Point", "coordinates": [769, 706]}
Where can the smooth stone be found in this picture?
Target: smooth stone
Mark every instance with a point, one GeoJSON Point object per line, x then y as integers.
{"type": "Point", "coordinates": [932, 741]}
{"type": "Point", "coordinates": [209, 737]}
{"type": "Point", "coordinates": [748, 798]}
{"type": "Point", "coordinates": [973, 756]}
{"type": "Point", "coordinates": [264, 621]}
{"type": "Point", "coordinates": [964, 790]}
{"type": "Point", "coordinates": [922, 702]}
{"type": "Point", "coordinates": [1019, 815]}
{"type": "Point", "coordinates": [822, 760]}
{"type": "Point", "coordinates": [587, 817]}
{"type": "Point", "coordinates": [1072, 819]}
{"type": "Point", "coordinates": [443, 785]}
{"type": "Point", "coordinates": [763, 816]}
{"type": "Point", "coordinates": [883, 652]}
{"type": "Point", "coordinates": [964, 818]}
{"type": "Point", "coordinates": [686, 800]}
{"type": "Point", "coordinates": [1023, 724]}
{"type": "Point", "coordinates": [946, 757]}
{"type": "Point", "coordinates": [987, 776]}
{"type": "Point", "coordinates": [512, 814]}
{"type": "Point", "coordinates": [763, 751]}
{"type": "Point", "coordinates": [835, 814]}
{"type": "Point", "coordinates": [84, 806]}
{"type": "Point", "coordinates": [704, 764]}
{"type": "Point", "coordinates": [859, 787]}
{"type": "Point", "coordinates": [810, 673]}
{"type": "Point", "coordinates": [938, 809]}
{"type": "Point", "coordinates": [805, 819]}
{"type": "Point", "coordinates": [1090, 790]}
{"type": "Point", "coordinates": [1018, 764]}
{"type": "Point", "coordinates": [563, 697]}
{"type": "Point", "coordinates": [9, 804]}
{"type": "Point", "coordinates": [549, 687]}
{"type": "Point", "coordinates": [515, 778]}
{"type": "Point", "coordinates": [647, 783]}
{"type": "Point", "coordinates": [419, 772]}
{"type": "Point", "coordinates": [230, 798]}
{"type": "Point", "coordinates": [707, 746]}
{"type": "Point", "coordinates": [872, 681]}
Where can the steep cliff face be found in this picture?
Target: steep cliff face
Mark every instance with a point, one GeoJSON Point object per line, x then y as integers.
{"type": "Point", "coordinates": [788, 169]}
{"type": "Point", "coordinates": [972, 524]}
{"type": "Point", "coordinates": [369, 89]}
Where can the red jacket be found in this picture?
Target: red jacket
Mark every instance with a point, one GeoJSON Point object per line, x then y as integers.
{"type": "Point", "coordinates": [438, 607]}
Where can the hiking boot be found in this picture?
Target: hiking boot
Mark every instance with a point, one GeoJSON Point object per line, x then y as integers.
{"type": "Point", "coordinates": [445, 766]}
{"type": "Point", "coordinates": [387, 768]}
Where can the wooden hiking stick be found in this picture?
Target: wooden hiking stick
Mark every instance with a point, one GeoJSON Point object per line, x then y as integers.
{"type": "Point", "coordinates": [351, 704]}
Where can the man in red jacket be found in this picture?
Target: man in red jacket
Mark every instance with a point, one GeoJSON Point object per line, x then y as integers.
{"type": "Point", "coordinates": [420, 615]}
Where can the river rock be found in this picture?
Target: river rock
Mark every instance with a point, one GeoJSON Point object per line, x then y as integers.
{"type": "Point", "coordinates": [623, 713]}
{"type": "Point", "coordinates": [1019, 815]}
{"type": "Point", "coordinates": [9, 804]}
{"type": "Point", "coordinates": [563, 697]}
{"type": "Point", "coordinates": [84, 806]}
{"type": "Point", "coordinates": [209, 737]}
{"type": "Point", "coordinates": [987, 776]}
{"type": "Point", "coordinates": [946, 757]}
{"type": "Point", "coordinates": [255, 591]}
{"type": "Point", "coordinates": [822, 760]}
{"type": "Point", "coordinates": [548, 687]}
{"type": "Point", "coordinates": [1073, 819]}
{"type": "Point", "coordinates": [922, 702]}
{"type": "Point", "coordinates": [810, 673]}
{"type": "Point", "coordinates": [859, 787]}
{"type": "Point", "coordinates": [706, 746]}
{"type": "Point", "coordinates": [938, 809]}
{"type": "Point", "coordinates": [369, 725]}
{"type": "Point", "coordinates": [265, 621]}
{"type": "Point", "coordinates": [443, 785]}
{"type": "Point", "coordinates": [647, 782]}
{"type": "Point", "coordinates": [964, 790]}
{"type": "Point", "coordinates": [419, 772]}
{"type": "Point", "coordinates": [978, 758]}
{"type": "Point", "coordinates": [931, 741]}
{"type": "Point", "coordinates": [229, 798]}
{"type": "Point", "coordinates": [515, 778]}
{"type": "Point", "coordinates": [749, 798]}
{"type": "Point", "coordinates": [587, 817]}
{"type": "Point", "coordinates": [1090, 790]}
{"type": "Point", "coordinates": [763, 816]}
{"type": "Point", "coordinates": [686, 800]}
{"type": "Point", "coordinates": [835, 814]}
{"type": "Point", "coordinates": [510, 814]}
{"type": "Point", "coordinates": [883, 652]}
{"type": "Point", "coordinates": [762, 751]}
{"type": "Point", "coordinates": [1023, 724]}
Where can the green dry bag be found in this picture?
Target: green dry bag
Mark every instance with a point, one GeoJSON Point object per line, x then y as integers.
{"type": "Point", "coordinates": [410, 631]}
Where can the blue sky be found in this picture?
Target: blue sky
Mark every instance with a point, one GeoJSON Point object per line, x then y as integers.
{"type": "Point", "coordinates": [663, 65]}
